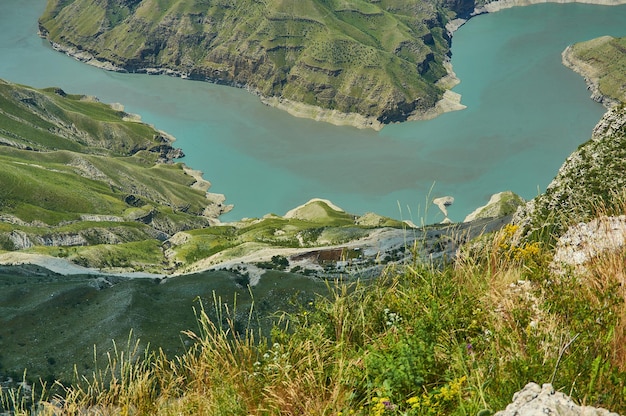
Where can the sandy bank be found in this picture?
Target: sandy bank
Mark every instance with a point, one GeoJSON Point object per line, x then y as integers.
{"type": "Point", "coordinates": [450, 101]}
{"type": "Point", "coordinates": [335, 117]}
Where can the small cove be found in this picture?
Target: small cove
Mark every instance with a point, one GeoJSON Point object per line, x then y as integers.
{"type": "Point", "coordinates": [526, 113]}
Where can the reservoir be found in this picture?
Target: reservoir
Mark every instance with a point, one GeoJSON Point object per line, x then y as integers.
{"type": "Point", "coordinates": [525, 114]}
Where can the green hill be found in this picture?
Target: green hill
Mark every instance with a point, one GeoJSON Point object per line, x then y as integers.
{"type": "Point", "coordinates": [602, 61]}
{"type": "Point", "coordinates": [379, 59]}
{"type": "Point", "coordinates": [76, 172]}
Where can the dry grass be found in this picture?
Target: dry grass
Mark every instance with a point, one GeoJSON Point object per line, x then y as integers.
{"type": "Point", "coordinates": [607, 272]}
{"type": "Point", "coordinates": [492, 319]}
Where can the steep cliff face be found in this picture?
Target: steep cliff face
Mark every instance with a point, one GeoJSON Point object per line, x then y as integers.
{"type": "Point", "coordinates": [378, 59]}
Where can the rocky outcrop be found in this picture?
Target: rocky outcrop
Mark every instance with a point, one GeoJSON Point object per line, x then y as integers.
{"type": "Point", "coordinates": [20, 240]}
{"type": "Point", "coordinates": [582, 242]}
{"type": "Point", "coordinates": [90, 236]}
{"type": "Point", "coordinates": [60, 240]}
{"type": "Point", "coordinates": [499, 205]}
{"type": "Point", "coordinates": [591, 179]}
{"type": "Point", "coordinates": [443, 203]}
{"type": "Point", "coordinates": [535, 400]}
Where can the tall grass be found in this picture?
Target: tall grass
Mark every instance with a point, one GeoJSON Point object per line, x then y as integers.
{"type": "Point", "coordinates": [457, 339]}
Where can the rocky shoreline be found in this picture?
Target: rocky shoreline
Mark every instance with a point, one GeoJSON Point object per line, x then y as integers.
{"type": "Point", "coordinates": [450, 100]}
{"type": "Point", "coordinates": [588, 72]}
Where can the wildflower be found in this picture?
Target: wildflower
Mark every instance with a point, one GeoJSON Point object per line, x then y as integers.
{"type": "Point", "coordinates": [389, 405]}
{"type": "Point", "coordinates": [381, 405]}
{"type": "Point", "coordinates": [391, 318]}
{"type": "Point", "coordinates": [414, 402]}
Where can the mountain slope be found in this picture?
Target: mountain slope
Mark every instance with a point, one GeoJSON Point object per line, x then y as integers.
{"type": "Point", "coordinates": [378, 59]}
{"type": "Point", "coordinates": [76, 172]}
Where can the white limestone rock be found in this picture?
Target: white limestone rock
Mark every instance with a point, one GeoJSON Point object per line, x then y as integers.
{"type": "Point", "coordinates": [534, 400]}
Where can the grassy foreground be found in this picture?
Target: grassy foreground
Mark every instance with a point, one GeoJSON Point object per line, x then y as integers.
{"type": "Point", "coordinates": [457, 340]}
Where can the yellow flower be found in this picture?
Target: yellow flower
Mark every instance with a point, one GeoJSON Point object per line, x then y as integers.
{"type": "Point", "coordinates": [414, 402]}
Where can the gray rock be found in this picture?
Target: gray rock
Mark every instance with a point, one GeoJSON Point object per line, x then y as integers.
{"type": "Point", "coordinates": [20, 240]}
{"type": "Point", "coordinates": [443, 203]}
{"type": "Point", "coordinates": [63, 240]}
{"type": "Point", "coordinates": [533, 400]}
{"type": "Point", "coordinates": [583, 241]}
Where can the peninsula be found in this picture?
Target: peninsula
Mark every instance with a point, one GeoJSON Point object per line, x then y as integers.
{"type": "Point", "coordinates": [358, 63]}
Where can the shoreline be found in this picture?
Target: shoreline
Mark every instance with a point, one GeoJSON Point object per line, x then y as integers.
{"type": "Point", "coordinates": [589, 73]}
{"type": "Point", "coordinates": [498, 5]}
{"type": "Point", "coordinates": [337, 118]}
{"type": "Point", "coordinates": [450, 100]}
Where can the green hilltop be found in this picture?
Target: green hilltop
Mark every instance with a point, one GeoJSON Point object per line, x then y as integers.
{"type": "Point", "coordinates": [380, 59]}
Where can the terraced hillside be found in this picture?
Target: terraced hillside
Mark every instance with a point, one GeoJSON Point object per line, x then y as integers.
{"type": "Point", "coordinates": [76, 172]}
{"type": "Point", "coordinates": [378, 59]}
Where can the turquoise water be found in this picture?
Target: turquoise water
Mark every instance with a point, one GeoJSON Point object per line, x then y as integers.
{"type": "Point", "coordinates": [526, 113]}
